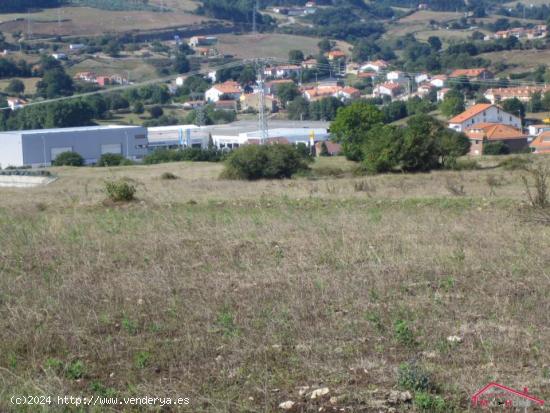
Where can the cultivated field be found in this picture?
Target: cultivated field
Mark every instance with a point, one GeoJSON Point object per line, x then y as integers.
{"type": "Point", "coordinates": [269, 45]}
{"type": "Point", "coordinates": [237, 294]}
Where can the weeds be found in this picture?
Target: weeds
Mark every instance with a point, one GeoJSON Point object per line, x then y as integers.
{"type": "Point", "coordinates": [168, 176]}
{"type": "Point", "coordinates": [537, 186]}
{"type": "Point", "coordinates": [364, 186]}
{"type": "Point", "coordinates": [455, 188]}
{"type": "Point", "coordinates": [403, 333]}
{"type": "Point", "coordinates": [414, 378]}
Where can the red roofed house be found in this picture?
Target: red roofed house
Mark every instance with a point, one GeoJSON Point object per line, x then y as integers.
{"type": "Point", "coordinates": [472, 74]}
{"type": "Point", "coordinates": [483, 113]}
{"type": "Point", "coordinates": [229, 89]}
{"type": "Point", "coordinates": [541, 144]}
{"type": "Point", "coordinates": [501, 397]}
{"type": "Point", "coordinates": [281, 72]}
{"type": "Point", "coordinates": [348, 93]}
{"type": "Point", "coordinates": [376, 66]}
{"type": "Point", "coordinates": [272, 85]}
{"type": "Point", "coordinates": [390, 89]}
{"type": "Point", "coordinates": [482, 133]}
{"type": "Point", "coordinates": [16, 103]}
{"type": "Point", "coordinates": [336, 55]}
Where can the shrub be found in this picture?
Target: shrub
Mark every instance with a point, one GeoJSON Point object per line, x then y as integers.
{"type": "Point", "coordinates": [75, 370]}
{"type": "Point", "coordinates": [414, 378]}
{"type": "Point", "coordinates": [68, 159]}
{"type": "Point", "coordinates": [462, 164]}
{"type": "Point", "coordinates": [495, 148]}
{"type": "Point", "coordinates": [168, 176]}
{"type": "Point", "coordinates": [111, 159]}
{"type": "Point", "coordinates": [120, 191]}
{"type": "Point", "coordinates": [403, 333]}
{"type": "Point", "coordinates": [187, 154]}
{"type": "Point", "coordinates": [254, 162]}
{"type": "Point", "coordinates": [156, 112]}
{"type": "Point", "coordinates": [514, 163]}
{"type": "Point", "coordinates": [429, 402]}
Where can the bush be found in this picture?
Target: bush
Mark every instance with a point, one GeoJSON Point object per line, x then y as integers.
{"type": "Point", "coordinates": [429, 402]}
{"type": "Point", "coordinates": [254, 162]}
{"type": "Point", "coordinates": [120, 191]}
{"type": "Point", "coordinates": [168, 176]}
{"type": "Point", "coordinates": [112, 159]}
{"type": "Point", "coordinates": [68, 159]}
{"type": "Point", "coordinates": [414, 378]}
{"type": "Point", "coordinates": [187, 154]}
{"type": "Point", "coordinates": [539, 192]}
{"type": "Point", "coordinates": [403, 333]}
{"type": "Point", "coordinates": [462, 164]}
{"type": "Point", "coordinates": [495, 148]}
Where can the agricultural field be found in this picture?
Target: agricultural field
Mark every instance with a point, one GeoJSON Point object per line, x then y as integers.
{"type": "Point", "coordinates": [138, 69]}
{"type": "Point", "coordinates": [269, 45]}
{"type": "Point", "coordinates": [243, 295]}
{"type": "Point", "coordinates": [30, 84]}
{"type": "Point", "coordinates": [71, 21]}
{"type": "Point", "coordinates": [519, 60]}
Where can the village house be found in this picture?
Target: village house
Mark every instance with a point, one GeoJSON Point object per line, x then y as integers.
{"type": "Point", "coordinates": [16, 103]}
{"type": "Point", "coordinates": [424, 89]}
{"type": "Point", "coordinates": [282, 72]}
{"type": "Point", "coordinates": [225, 104]}
{"type": "Point", "coordinates": [539, 31]}
{"type": "Point", "coordinates": [330, 90]}
{"type": "Point", "coordinates": [348, 93]}
{"type": "Point", "coordinates": [541, 144]}
{"type": "Point", "coordinates": [336, 55]}
{"type": "Point", "coordinates": [229, 89]}
{"type": "Point", "coordinates": [441, 93]}
{"type": "Point", "coordinates": [198, 41]}
{"type": "Point", "coordinates": [309, 64]}
{"type": "Point", "coordinates": [439, 81]}
{"type": "Point", "coordinates": [472, 74]}
{"type": "Point", "coordinates": [536, 129]}
{"type": "Point", "coordinates": [376, 66]}
{"type": "Point", "coordinates": [390, 89]}
{"type": "Point", "coordinates": [483, 113]}
{"type": "Point", "coordinates": [89, 77]}
{"type": "Point", "coordinates": [523, 93]}
{"type": "Point", "coordinates": [397, 76]}
{"type": "Point", "coordinates": [482, 133]}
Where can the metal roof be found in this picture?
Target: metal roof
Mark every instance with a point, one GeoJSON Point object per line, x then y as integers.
{"type": "Point", "coordinates": [67, 130]}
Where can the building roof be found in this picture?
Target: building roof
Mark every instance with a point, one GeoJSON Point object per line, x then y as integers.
{"type": "Point", "coordinates": [511, 92]}
{"type": "Point", "coordinates": [542, 142]}
{"type": "Point", "coordinates": [350, 90]}
{"type": "Point", "coordinates": [69, 130]}
{"type": "Point", "coordinates": [390, 85]}
{"type": "Point", "coordinates": [470, 112]}
{"type": "Point", "coordinates": [336, 53]}
{"type": "Point", "coordinates": [228, 87]}
{"type": "Point", "coordinates": [494, 131]}
{"type": "Point", "coordinates": [332, 147]}
{"type": "Point", "coordinates": [468, 72]}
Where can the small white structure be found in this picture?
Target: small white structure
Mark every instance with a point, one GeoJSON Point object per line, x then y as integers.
{"type": "Point", "coordinates": [59, 56]}
{"type": "Point", "coordinates": [397, 76]}
{"type": "Point", "coordinates": [390, 89]}
{"type": "Point", "coordinates": [40, 147]}
{"type": "Point", "coordinates": [76, 46]}
{"type": "Point", "coordinates": [483, 113]}
{"type": "Point", "coordinates": [376, 66]}
{"type": "Point", "coordinates": [16, 103]}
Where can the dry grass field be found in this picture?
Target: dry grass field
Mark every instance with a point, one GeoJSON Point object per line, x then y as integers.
{"type": "Point", "coordinates": [522, 60]}
{"type": "Point", "coordinates": [238, 294]}
{"type": "Point", "coordinates": [91, 21]}
{"type": "Point", "coordinates": [269, 45]}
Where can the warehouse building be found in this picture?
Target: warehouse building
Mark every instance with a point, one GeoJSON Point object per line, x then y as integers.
{"type": "Point", "coordinates": [38, 148]}
{"type": "Point", "coordinates": [177, 136]}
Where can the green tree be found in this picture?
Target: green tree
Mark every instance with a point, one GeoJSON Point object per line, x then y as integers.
{"type": "Point", "coordinates": [382, 151]}
{"type": "Point", "coordinates": [181, 63]}
{"type": "Point", "coordinates": [295, 56]}
{"type": "Point", "coordinates": [325, 45]}
{"type": "Point", "coordinates": [514, 106]}
{"type": "Point", "coordinates": [55, 83]}
{"type": "Point", "coordinates": [452, 104]}
{"type": "Point", "coordinates": [156, 112]}
{"type": "Point", "coordinates": [16, 87]}
{"type": "Point", "coordinates": [287, 92]}
{"type": "Point", "coordinates": [298, 109]}
{"type": "Point", "coordinates": [435, 43]}
{"type": "Point", "coordinates": [535, 104]}
{"type": "Point", "coordinates": [351, 127]}
{"type": "Point", "coordinates": [495, 148]}
{"type": "Point", "coordinates": [138, 108]}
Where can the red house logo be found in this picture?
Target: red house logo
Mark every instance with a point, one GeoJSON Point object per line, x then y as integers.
{"type": "Point", "coordinates": [499, 396]}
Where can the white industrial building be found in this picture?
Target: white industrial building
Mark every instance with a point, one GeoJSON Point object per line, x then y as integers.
{"type": "Point", "coordinates": [233, 135]}
{"type": "Point", "coordinates": [40, 147]}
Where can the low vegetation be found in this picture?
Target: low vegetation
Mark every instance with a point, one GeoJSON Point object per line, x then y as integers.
{"type": "Point", "coordinates": [120, 190]}
{"type": "Point", "coordinates": [209, 287]}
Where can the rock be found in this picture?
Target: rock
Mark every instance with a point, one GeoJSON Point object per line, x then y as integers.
{"type": "Point", "coordinates": [277, 347]}
{"type": "Point", "coordinates": [399, 397]}
{"type": "Point", "coordinates": [289, 404]}
{"type": "Point", "coordinates": [302, 348]}
{"type": "Point", "coordinates": [219, 358]}
{"type": "Point", "coordinates": [454, 339]}
{"type": "Point", "coordinates": [333, 400]}
{"type": "Point", "coordinates": [316, 394]}
{"type": "Point", "coordinates": [393, 397]}
{"type": "Point", "coordinates": [303, 390]}
{"type": "Point", "coordinates": [405, 396]}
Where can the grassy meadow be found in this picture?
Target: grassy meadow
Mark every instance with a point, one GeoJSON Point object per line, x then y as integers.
{"type": "Point", "coordinates": [243, 295]}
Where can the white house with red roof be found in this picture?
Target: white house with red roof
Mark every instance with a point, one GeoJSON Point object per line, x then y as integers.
{"type": "Point", "coordinates": [483, 113]}
{"type": "Point", "coordinates": [229, 89]}
{"type": "Point", "coordinates": [390, 89]}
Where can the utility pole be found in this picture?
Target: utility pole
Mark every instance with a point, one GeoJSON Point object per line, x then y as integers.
{"type": "Point", "coordinates": [262, 119]}
{"type": "Point", "coordinates": [29, 24]}
{"type": "Point", "coordinates": [254, 18]}
{"type": "Point", "coordinates": [199, 118]}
